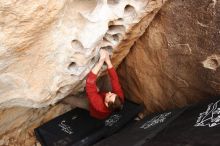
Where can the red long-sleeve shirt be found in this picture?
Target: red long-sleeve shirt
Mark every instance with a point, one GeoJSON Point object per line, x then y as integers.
{"type": "Point", "coordinates": [97, 105]}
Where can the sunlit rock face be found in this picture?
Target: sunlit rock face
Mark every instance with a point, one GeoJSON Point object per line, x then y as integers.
{"type": "Point", "coordinates": [176, 61]}
{"type": "Point", "coordinates": [48, 47]}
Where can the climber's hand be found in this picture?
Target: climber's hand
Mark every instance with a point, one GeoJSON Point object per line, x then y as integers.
{"type": "Point", "coordinates": [108, 61]}
{"type": "Point", "coordinates": [103, 53]}
{"type": "Point", "coordinates": [107, 58]}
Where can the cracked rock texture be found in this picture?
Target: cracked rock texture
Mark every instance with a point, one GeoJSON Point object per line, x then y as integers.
{"type": "Point", "coordinates": [48, 47]}
{"type": "Point", "coordinates": [176, 61]}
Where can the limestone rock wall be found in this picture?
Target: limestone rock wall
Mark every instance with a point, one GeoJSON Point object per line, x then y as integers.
{"type": "Point", "coordinates": [176, 61]}
{"type": "Point", "coordinates": [48, 47]}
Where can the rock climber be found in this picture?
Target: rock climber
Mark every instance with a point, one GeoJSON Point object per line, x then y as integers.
{"type": "Point", "coordinates": [102, 104]}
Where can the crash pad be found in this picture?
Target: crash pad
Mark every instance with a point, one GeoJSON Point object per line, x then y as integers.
{"type": "Point", "coordinates": [77, 127]}
{"type": "Point", "coordinates": [138, 133]}
{"type": "Point", "coordinates": [198, 125]}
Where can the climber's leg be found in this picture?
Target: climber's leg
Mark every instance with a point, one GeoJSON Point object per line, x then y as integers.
{"type": "Point", "coordinates": [78, 101]}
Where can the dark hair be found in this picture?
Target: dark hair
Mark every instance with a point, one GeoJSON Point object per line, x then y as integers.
{"type": "Point", "coordinates": [116, 105]}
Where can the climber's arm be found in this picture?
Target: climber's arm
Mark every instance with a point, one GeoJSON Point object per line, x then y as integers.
{"type": "Point", "coordinates": [91, 88]}
{"type": "Point", "coordinates": [97, 106]}
{"type": "Point", "coordinates": [98, 66]}
{"type": "Point", "coordinates": [116, 87]}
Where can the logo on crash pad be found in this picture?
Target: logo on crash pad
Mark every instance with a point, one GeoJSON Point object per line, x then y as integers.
{"type": "Point", "coordinates": [211, 117]}
{"type": "Point", "coordinates": [156, 120]}
{"type": "Point", "coordinates": [112, 120]}
{"type": "Point", "coordinates": [65, 127]}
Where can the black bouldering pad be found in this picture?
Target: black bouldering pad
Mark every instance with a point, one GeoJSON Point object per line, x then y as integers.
{"type": "Point", "coordinates": [198, 125]}
{"type": "Point", "coordinates": [138, 133]}
{"type": "Point", "coordinates": [76, 127]}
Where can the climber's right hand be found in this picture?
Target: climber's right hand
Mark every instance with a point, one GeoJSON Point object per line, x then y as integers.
{"type": "Point", "coordinates": [103, 54]}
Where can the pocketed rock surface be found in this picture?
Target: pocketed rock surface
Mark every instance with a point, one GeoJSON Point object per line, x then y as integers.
{"type": "Point", "coordinates": [47, 48]}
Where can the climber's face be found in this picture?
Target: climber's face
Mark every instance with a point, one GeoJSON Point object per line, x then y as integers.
{"type": "Point", "coordinates": [110, 97]}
